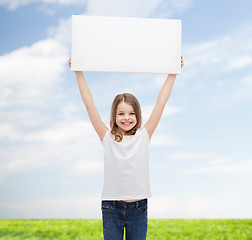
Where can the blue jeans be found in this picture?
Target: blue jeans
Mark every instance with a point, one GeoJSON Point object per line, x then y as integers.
{"type": "Point", "coordinates": [119, 214]}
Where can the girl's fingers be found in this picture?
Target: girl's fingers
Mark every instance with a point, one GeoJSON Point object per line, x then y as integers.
{"type": "Point", "coordinates": [69, 63]}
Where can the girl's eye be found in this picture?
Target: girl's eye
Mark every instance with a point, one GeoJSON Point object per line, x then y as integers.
{"type": "Point", "coordinates": [130, 113]}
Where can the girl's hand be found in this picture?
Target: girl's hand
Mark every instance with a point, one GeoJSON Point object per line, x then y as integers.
{"type": "Point", "coordinates": [69, 62]}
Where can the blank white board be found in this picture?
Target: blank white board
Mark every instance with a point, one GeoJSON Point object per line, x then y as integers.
{"type": "Point", "coordinates": [112, 44]}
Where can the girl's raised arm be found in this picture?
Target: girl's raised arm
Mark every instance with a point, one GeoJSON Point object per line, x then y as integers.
{"type": "Point", "coordinates": [87, 98]}
{"type": "Point", "coordinates": [163, 97]}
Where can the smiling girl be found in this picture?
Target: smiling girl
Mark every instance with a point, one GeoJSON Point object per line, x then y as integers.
{"type": "Point", "coordinates": [126, 186]}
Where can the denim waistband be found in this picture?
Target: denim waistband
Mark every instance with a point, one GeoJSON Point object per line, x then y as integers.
{"type": "Point", "coordinates": [123, 203]}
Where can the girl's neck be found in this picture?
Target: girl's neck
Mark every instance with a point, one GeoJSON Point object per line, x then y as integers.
{"type": "Point", "coordinates": [125, 133]}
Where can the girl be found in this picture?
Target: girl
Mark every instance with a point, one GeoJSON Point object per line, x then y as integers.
{"type": "Point", "coordinates": [126, 160]}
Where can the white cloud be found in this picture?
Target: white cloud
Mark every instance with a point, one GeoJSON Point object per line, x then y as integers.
{"type": "Point", "coordinates": [137, 8]}
{"type": "Point", "coordinates": [225, 54]}
{"type": "Point", "coordinates": [198, 206]}
{"type": "Point", "coordinates": [244, 89]}
{"type": "Point", "coordinates": [69, 143]}
{"type": "Point", "coordinates": [63, 133]}
{"type": "Point", "coordinates": [63, 32]}
{"type": "Point", "coordinates": [71, 110]}
{"type": "Point", "coordinates": [218, 71]}
{"type": "Point", "coordinates": [207, 163]}
{"type": "Point", "coordinates": [181, 4]}
{"type": "Point", "coordinates": [220, 160]}
{"type": "Point", "coordinates": [30, 73]}
{"type": "Point", "coordinates": [168, 111]}
{"type": "Point", "coordinates": [81, 167]}
{"type": "Point", "coordinates": [221, 166]}
{"type": "Point", "coordinates": [211, 163]}
{"type": "Point", "coordinates": [190, 155]}
{"type": "Point", "coordinates": [240, 61]}
{"type": "Point", "coordinates": [59, 133]}
{"type": "Point", "coordinates": [163, 140]}
{"type": "Point", "coordinates": [167, 8]}
{"type": "Point", "coordinates": [68, 206]}
{"type": "Point", "coordinates": [7, 131]}
{"type": "Point", "coordinates": [180, 207]}
{"type": "Point", "coordinates": [120, 8]}
{"type": "Point", "coordinates": [14, 4]}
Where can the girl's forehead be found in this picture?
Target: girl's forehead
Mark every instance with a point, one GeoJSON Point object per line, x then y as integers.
{"type": "Point", "coordinates": [123, 106]}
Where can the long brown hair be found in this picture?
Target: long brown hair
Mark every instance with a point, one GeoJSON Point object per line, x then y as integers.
{"type": "Point", "coordinates": [132, 100]}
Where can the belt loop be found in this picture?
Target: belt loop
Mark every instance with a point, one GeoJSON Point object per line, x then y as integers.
{"type": "Point", "coordinates": [114, 203]}
{"type": "Point", "coordinates": [137, 204]}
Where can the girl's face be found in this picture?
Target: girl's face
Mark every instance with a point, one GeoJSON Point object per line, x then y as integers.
{"type": "Point", "coordinates": [125, 117]}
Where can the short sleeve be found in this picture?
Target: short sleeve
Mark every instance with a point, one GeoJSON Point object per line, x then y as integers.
{"type": "Point", "coordinates": [105, 138]}
{"type": "Point", "coordinates": [146, 133]}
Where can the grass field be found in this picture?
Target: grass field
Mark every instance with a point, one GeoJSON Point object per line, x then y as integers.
{"type": "Point", "coordinates": [158, 229]}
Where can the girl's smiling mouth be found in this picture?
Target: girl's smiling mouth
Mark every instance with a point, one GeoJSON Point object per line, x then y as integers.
{"type": "Point", "coordinates": [126, 123]}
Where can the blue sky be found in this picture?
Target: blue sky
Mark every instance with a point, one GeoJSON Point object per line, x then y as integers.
{"type": "Point", "coordinates": [51, 161]}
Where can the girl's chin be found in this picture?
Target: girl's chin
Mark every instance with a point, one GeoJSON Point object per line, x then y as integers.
{"type": "Point", "coordinates": [126, 128]}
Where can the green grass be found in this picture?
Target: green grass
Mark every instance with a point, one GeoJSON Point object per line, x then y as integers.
{"type": "Point", "coordinates": [158, 229]}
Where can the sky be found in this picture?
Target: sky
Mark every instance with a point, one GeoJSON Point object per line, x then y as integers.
{"type": "Point", "coordinates": [51, 160]}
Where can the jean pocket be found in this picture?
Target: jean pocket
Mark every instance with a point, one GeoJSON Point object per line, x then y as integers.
{"type": "Point", "coordinates": [106, 207]}
{"type": "Point", "coordinates": [142, 208]}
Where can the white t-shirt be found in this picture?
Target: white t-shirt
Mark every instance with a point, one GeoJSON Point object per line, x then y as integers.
{"type": "Point", "coordinates": [126, 167]}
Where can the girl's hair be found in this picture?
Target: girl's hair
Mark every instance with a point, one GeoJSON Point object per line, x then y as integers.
{"type": "Point", "coordinates": [132, 100]}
